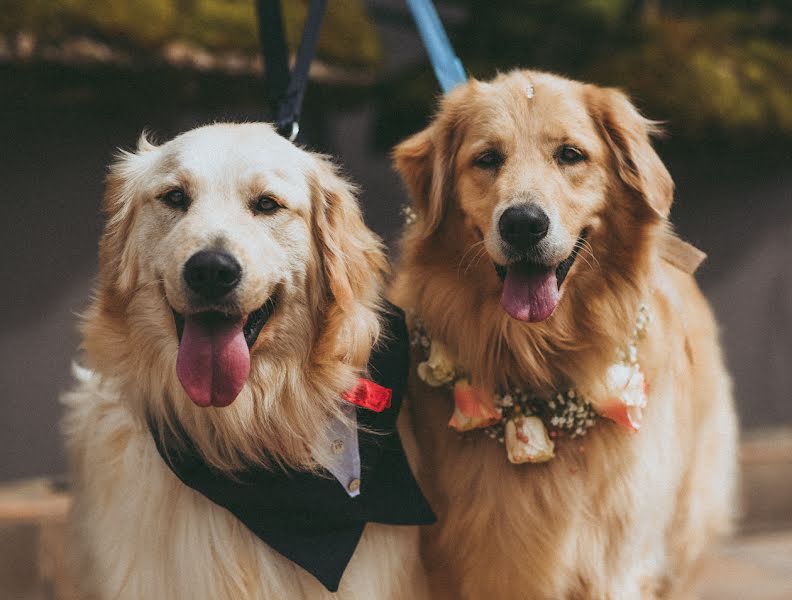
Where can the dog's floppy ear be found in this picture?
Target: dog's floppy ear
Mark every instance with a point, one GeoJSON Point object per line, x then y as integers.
{"type": "Point", "coordinates": [424, 162]}
{"type": "Point", "coordinates": [353, 257]}
{"type": "Point", "coordinates": [117, 258]}
{"type": "Point", "coordinates": [627, 134]}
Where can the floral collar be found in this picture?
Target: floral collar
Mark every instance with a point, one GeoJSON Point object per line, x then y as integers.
{"type": "Point", "coordinates": [529, 424]}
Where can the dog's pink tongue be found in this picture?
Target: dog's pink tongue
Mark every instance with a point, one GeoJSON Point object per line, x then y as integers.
{"type": "Point", "coordinates": [214, 360]}
{"type": "Point", "coordinates": [530, 292]}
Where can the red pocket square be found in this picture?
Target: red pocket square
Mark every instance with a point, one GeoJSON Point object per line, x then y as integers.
{"type": "Point", "coordinates": [369, 395]}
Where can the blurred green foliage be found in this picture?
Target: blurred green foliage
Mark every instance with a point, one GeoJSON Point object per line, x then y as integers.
{"type": "Point", "coordinates": [710, 68]}
{"type": "Point", "coordinates": [348, 37]}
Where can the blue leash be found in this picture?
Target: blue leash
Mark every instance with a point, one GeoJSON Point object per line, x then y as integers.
{"type": "Point", "coordinates": [447, 66]}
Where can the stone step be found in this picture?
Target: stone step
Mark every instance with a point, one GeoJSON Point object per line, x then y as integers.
{"type": "Point", "coordinates": [754, 567]}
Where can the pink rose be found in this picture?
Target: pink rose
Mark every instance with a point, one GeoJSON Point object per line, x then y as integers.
{"type": "Point", "coordinates": [473, 408]}
{"type": "Point", "coordinates": [627, 395]}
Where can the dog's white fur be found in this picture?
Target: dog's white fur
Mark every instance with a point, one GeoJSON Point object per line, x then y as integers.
{"type": "Point", "coordinates": [139, 532]}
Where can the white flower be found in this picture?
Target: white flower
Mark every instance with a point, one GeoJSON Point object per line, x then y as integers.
{"type": "Point", "coordinates": [627, 389]}
{"type": "Point", "coordinates": [527, 441]}
{"type": "Point", "coordinates": [410, 216]}
{"type": "Point", "coordinates": [506, 400]}
{"type": "Point", "coordinates": [439, 368]}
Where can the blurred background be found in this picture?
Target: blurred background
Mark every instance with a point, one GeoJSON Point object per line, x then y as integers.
{"type": "Point", "coordinates": [80, 79]}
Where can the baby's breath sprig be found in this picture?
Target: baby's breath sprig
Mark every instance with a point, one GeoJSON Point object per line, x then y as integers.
{"type": "Point", "coordinates": [409, 214]}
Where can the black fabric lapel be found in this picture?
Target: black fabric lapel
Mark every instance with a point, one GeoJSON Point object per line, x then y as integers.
{"type": "Point", "coordinates": [310, 519]}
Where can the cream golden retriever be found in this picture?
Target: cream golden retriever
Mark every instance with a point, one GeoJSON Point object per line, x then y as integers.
{"type": "Point", "coordinates": [253, 252]}
{"type": "Point", "coordinates": [542, 227]}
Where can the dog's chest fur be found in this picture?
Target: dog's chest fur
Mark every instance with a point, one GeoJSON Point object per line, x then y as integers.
{"type": "Point", "coordinates": [546, 525]}
{"type": "Point", "coordinates": [150, 536]}
{"type": "Point", "coordinates": [605, 518]}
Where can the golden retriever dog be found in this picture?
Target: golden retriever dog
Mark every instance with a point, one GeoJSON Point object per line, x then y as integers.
{"type": "Point", "coordinates": [541, 229]}
{"type": "Point", "coordinates": [254, 254]}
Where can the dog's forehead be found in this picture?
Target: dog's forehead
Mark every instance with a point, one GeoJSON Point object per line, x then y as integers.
{"type": "Point", "coordinates": [236, 151]}
{"type": "Point", "coordinates": [530, 107]}
{"type": "Point", "coordinates": [561, 113]}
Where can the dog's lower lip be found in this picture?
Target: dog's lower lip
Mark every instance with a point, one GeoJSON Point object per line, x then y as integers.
{"type": "Point", "coordinates": [257, 319]}
{"type": "Point", "coordinates": [562, 270]}
{"type": "Point", "coordinates": [253, 324]}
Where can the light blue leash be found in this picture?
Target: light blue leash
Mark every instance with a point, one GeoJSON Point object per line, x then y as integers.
{"type": "Point", "coordinates": [447, 66]}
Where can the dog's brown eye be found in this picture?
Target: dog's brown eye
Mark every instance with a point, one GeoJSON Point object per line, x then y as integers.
{"type": "Point", "coordinates": [266, 205]}
{"type": "Point", "coordinates": [569, 155]}
{"type": "Point", "coordinates": [490, 159]}
{"type": "Point", "coordinates": [176, 199]}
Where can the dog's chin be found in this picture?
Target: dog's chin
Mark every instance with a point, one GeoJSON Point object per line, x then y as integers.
{"type": "Point", "coordinates": [532, 290]}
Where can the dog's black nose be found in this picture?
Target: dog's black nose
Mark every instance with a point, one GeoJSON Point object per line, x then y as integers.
{"type": "Point", "coordinates": [212, 274]}
{"type": "Point", "coordinates": [523, 225]}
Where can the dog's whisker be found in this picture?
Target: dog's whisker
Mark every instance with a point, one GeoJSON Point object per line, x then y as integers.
{"type": "Point", "coordinates": [471, 248]}
{"type": "Point", "coordinates": [585, 246]}
{"type": "Point", "coordinates": [156, 282]}
{"type": "Point", "coordinates": [580, 244]}
{"type": "Point", "coordinates": [586, 260]}
{"type": "Point", "coordinates": [591, 265]}
{"type": "Point", "coordinates": [475, 249]}
{"type": "Point", "coordinates": [594, 258]}
{"type": "Point", "coordinates": [479, 255]}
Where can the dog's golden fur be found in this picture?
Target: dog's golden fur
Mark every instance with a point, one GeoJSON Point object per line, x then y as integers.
{"type": "Point", "coordinates": [141, 533]}
{"type": "Point", "coordinates": [615, 515]}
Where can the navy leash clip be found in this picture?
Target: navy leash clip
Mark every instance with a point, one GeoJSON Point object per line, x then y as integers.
{"type": "Point", "coordinates": [286, 90]}
{"type": "Point", "coordinates": [447, 67]}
